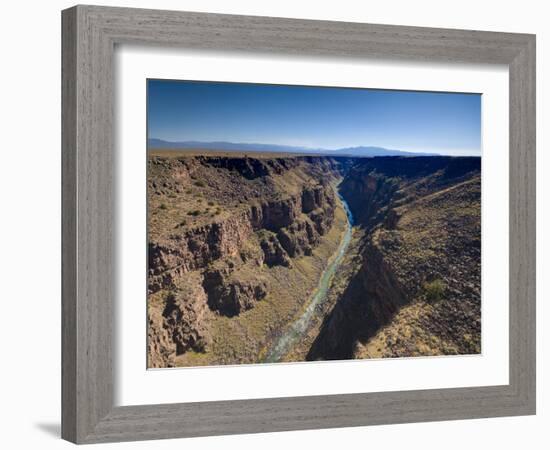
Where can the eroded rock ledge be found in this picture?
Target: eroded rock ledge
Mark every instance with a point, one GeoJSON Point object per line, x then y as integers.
{"type": "Point", "coordinates": [417, 289]}
{"type": "Point", "coordinates": [295, 230]}
{"type": "Point", "coordinates": [266, 212]}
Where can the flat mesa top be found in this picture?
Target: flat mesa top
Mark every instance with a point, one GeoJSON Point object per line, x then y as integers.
{"type": "Point", "coordinates": [174, 153]}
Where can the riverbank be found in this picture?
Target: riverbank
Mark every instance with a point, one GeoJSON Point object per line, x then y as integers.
{"type": "Point", "coordinates": [244, 338]}
{"type": "Point", "coordinates": [346, 271]}
{"type": "Point", "coordinates": [294, 334]}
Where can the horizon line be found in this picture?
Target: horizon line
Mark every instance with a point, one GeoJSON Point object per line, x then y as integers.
{"type": "Point", "coordinates": [471, 152]}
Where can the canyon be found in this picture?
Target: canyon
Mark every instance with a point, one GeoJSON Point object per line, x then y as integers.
{"type": "Point", "coordinates": [266, 257]}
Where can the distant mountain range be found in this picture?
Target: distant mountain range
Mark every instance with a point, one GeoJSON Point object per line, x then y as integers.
{"type": "Point", "coordinates": [361, 151]}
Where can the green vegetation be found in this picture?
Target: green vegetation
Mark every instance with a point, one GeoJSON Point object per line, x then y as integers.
{"type": "Point", "coordinates": [163, 206]}
{"type": "Point", "coordinates": [434, 290]}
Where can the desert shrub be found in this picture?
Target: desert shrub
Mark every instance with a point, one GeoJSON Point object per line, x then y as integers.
{"type": "Point", "coordinates": [434, 290]}
{"type": "Point", "coordinates": [201, 345]}
{"type": "Point", "coordinates": [218, 211]}
{"type": "Point", "coordinates": [200, 183]}
{"type": "Point", "coordinates": [188, 191]}
{"type": "Point", "coordinates": [195, 212]}
{"type": "Point", "coordinates": [210, 203]}
{"type": "Point", "coordinates": [162, 206]}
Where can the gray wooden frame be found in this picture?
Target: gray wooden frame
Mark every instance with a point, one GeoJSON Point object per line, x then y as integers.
{"type": "Point", "coordinates": [89, 36]}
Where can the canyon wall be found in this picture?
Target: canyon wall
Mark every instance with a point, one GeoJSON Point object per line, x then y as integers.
{"type": "Point", "coordinates": [417, 289]}
{"type": "Point", "coordinates": [237, 244]}
{"type": "Point", "coordinates": [218, 228]}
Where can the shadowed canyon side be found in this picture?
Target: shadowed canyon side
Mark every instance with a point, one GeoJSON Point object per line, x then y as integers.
{"type": "Point", "coordinates": [416, 290]}
{"type": "Point", "coordinates": [278, 257]}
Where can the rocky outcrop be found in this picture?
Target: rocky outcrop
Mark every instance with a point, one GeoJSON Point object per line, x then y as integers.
{"type": "Point", "coordinates": [161, 348]}
{"type": "Point", "coordinates": [371, 299]}
{"type": "Point", "coordinates": [314, 197]}
{"type": "Point", "coordinates": [299, 238]}
{"type": "Point", "coordinates": [218, 226]}
{"type": "Point", "coordinates": [248, 167]}
{"type": "Point", "coordinates": [421, 226]}
{"type": "Point", "coordinates": [373, 186]}
{"type": "Point", "coordinates": [185, 319]}
{"type": "Point", "coordinates": [296, 232]}
{"type": "Point", "coordinates": [369, 195]}
{"type": "Point", "coordinates": [231, 292]}
{"type": "Point", "coordinates": [226, 233]}
{"type": "Point", "coordinates": [274, 253]}
{"type": "Point", "coordinates": [280, 213]}
{"type": "Point", "coordinates": [195, 248]}
{"type": "Point", "coordinates": [179, 326]}
{"type": "Point", "coordinates": [322, 219]}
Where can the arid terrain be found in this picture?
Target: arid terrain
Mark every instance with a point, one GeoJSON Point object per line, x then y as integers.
{"type": "Point", "coordinates": [280, 257]}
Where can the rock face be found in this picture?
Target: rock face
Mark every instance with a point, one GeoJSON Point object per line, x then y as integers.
{"type": "Point", "coordinates": [185, 319]}
{"type": "Point", "coordinates": [218, 225]}
{"type": "Point", "coordinates": [274, 254]}
{"type": "Point", "coordinates": [161, 349]}
{"type": "Point", "coordinates": [230, 293]}
{"type": "Point", "coordinates": [249, 168]}
{"type": "Point", "coordinates": [370, 301]}
{"type": "Point", "coordinates": [195, 248]}
{"type": "Point", "coordinates": [232, 236]}
{"type": "Point", "coordinates": [417, 291]}
{"type": "Point", "coordinates": [374, 185]}
{"type": "Point", "coordinates": [297, 226]}
{"type": "Point", "coordinates": [314, 197]}
{"type": "Point", "coordinates": [179, 324]}
{"type": "Point", "coordinates": [298, 238]}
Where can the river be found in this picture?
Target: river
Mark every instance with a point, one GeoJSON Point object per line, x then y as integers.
{"type": "Point", "coordinates": [300, 326]}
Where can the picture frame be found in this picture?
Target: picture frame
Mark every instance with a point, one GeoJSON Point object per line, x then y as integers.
{"type": "Point", "coordinates": [90, 34]}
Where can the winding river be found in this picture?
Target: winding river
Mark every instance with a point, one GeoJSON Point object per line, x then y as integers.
{"type": "Point", "coordinates": [299, 327]}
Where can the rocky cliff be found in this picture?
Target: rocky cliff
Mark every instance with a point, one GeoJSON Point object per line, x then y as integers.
{"type": "Point", "coordinates": [237, 245]}
{"type": "Point", "coordinates": [417, 290]}
{"type": "Point", "coordinates": [219, 227]}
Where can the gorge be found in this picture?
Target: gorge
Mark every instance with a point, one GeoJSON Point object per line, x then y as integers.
{"type": "Point", "coordinates": [275, 257]}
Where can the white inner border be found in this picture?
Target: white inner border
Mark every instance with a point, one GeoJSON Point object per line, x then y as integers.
{"type": "Point", "coordinates": [136, 385]}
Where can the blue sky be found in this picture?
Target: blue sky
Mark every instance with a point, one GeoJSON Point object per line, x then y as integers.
{"type": "Point", "coordinates": [318, 117]}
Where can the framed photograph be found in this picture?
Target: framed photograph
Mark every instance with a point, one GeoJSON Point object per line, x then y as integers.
{"type": "Point", "coordinates": [277, 224]}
